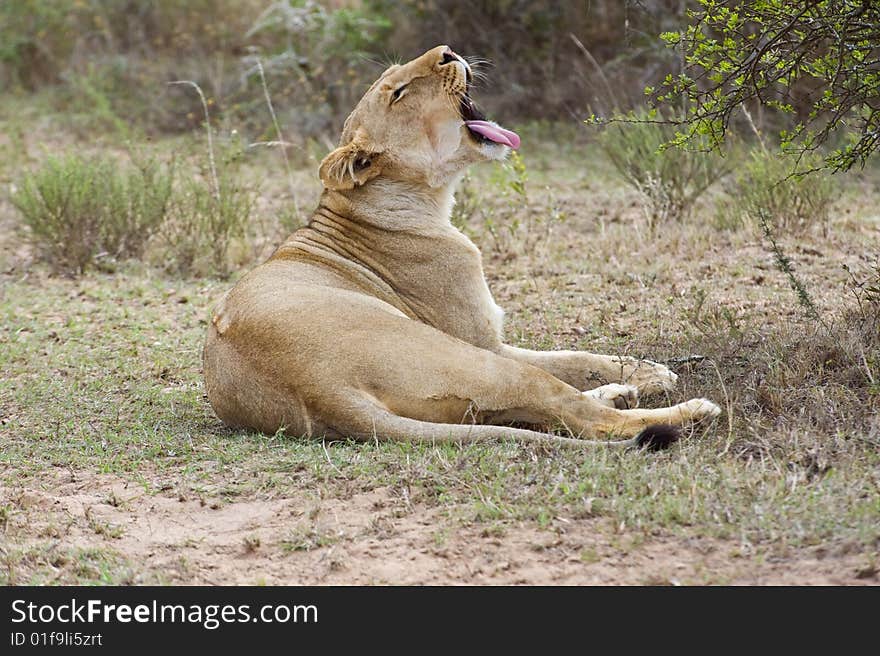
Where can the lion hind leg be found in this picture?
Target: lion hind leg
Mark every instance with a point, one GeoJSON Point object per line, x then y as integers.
{"type": "Point", "coordinates": [370, 421]}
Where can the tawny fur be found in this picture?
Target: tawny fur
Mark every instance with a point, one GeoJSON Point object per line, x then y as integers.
{"type": "Point", "coordinates": [375, 320]}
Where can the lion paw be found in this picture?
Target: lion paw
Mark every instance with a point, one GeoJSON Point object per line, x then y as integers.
{"type": "Point", "coordinates": [649, 377]}
{"type": "Point", "coordinates": [700, 410]}
{"type": "Point", "coordinates": [621, 397]}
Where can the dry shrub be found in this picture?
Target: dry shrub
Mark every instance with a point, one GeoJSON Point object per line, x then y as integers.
{"type": "Point", "coordinates": [75, 207]}
{"type": "Point", "coordinates": [136, 201]}
{"type": "Point", "coordinates": [770, 183]}
{"type": "Point", "coordinates": [61, 206]}
{"type": "Point", "coordinates": [827, 375]}
{"type": "Point", "coordinates": [789, 388]}
{"type": "Point", "coordinates": [669, 179]}
{"type": "Point", "coordinates": [205, 218]}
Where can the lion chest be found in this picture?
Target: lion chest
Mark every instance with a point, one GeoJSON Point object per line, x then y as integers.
{"type": "Point", "coordinates": [448, 291]}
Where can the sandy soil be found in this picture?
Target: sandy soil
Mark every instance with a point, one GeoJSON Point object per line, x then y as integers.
{"type": "Point", "coordinates": [367, 539]}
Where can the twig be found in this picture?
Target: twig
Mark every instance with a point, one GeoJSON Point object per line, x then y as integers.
{"type": "Point", "coordinates": [686, 359]}
{"type": "Point", "coordinates": [754, 127]}
{"type": "Point", "coordinates": [214, 178]}
{"type": "Point", "coordinates": [281, 139]}
{"type": "Point", "coordinates": [729, 408]}
{"type": "Point", "coordinates": [598, 68]}
{"type": "Point", "coordinates": [269, 144]}
{"type": "Point", "coordinates": [330, 461]}
{"type": "Point", "coordinates": [783, 263]}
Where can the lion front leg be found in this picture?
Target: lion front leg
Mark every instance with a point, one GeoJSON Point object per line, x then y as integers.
{"type": "Point", "coordinates": [587, 371]}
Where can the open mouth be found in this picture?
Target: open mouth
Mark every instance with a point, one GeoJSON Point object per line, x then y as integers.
{"type": "Point", "coordinates": [482, 130]}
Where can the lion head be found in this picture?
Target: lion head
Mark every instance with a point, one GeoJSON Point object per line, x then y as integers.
{"type": "Point", "coordinates": [418, 124]}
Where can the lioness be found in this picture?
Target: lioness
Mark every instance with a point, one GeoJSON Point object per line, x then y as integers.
{"type": "Point", "coordinates": [375, 321]}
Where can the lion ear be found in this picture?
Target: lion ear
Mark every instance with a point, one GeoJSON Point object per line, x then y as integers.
{"type": "Point", "coordinates": [349, 166]}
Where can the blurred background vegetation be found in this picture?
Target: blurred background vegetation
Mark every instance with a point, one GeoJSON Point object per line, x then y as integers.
{"type": "Point", "coordinates": [108, 61]}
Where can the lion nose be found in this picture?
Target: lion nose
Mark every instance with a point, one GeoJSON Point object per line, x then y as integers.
{"type": "Point", "coordinates": [449, 57]}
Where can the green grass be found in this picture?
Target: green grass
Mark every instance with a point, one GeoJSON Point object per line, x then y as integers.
{"type": "Point", "coordinates": [48, 563]}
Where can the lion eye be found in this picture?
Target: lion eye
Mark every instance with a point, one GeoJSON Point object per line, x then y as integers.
{"type": "Point", "coordinates": [398, 94]}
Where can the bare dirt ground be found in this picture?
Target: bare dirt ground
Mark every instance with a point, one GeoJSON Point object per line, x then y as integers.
{"type": "Point", "coordinates": [174, 539]}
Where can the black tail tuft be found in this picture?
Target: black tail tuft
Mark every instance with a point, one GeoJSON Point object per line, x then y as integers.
{"type": "Point", "coordinates": [657, 437]}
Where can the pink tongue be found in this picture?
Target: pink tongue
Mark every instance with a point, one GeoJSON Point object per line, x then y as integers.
{"type": "Point", "coordinates": [494, 133]}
